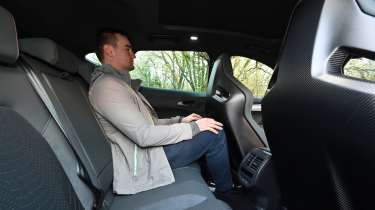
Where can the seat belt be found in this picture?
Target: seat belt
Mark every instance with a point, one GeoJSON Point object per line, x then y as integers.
{"type": "Point", "coordinates": [70, 135]}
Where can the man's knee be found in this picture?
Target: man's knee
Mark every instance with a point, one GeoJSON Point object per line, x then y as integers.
{"type": "Point", "coordinates": [221, 133]}
{"type": "Point", "coordinates": [220, 136]}
{"type": "Point", "coordinates": [219, 139]}
{"type": "Point", "coordinates": [213, 138]}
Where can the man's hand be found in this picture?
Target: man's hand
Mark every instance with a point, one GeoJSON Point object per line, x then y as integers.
{"type": "Point", "coordinates": [192, 117]}
{"type": "Point", "coordinates": [209, 124]}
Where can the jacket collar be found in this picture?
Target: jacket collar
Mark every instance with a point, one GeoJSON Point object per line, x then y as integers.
{"type": "Point", "coordinates": [123, 75]}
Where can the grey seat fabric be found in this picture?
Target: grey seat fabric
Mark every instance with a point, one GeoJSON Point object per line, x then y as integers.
{"type": "Point", "coordinates": [72, 99]}
{"type": "Point", "coordinates": [231, 104]}
{"type": "Point", "coordinates": [71, 93]}
{"type": "Point", "coordinates": [31, 177]}
{"type": "Point", "coordinates": [8, 39]}
{"type": "Point", "coordinates": [28, 165]}
{"type": "Point", "coordinates": [85, 69]}
{"type": "Point", "coordinates": [48, 51]}
{"type": "Point", "coordinates": [187, 192]}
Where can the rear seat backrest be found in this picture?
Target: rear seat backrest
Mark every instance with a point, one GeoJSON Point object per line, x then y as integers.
{"type": "Point", "coordinates": [31, 177]}
{"type": "Point", "coordinates": [28, 165]}
{"type": "Point", "coordinates": [70, 98]}
{"type": "Point", "coordinates": [51, 53]}
{"type": "Point", "coordinates": [9, 44]}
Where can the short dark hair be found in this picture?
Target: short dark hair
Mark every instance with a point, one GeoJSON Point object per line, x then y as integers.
{"type": "Point", "coordinates": [107, 36]}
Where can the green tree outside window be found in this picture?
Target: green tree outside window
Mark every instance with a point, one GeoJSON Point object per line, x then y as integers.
{"type": "Point", "coordinates": [360, 68]}
{"type": "Point", "coordinates": [251, 73]}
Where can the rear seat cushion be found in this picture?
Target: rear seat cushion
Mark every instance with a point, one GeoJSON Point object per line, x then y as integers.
{"type": "Point", "coordinates": [48, 51]}
{"type": "Point", "coordinates": [188, 192]}
{"type": "Point", "coordinates": [8, 38]}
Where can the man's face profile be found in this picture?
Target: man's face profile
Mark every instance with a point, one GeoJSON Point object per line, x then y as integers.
{"type": "Point", "coordinates": [121, 55]}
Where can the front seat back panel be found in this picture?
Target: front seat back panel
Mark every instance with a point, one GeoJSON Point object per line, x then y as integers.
{"type": "Point", "coordinates": [320, 124]}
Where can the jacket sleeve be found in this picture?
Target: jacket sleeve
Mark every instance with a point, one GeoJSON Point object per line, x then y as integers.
{"type": "Point", "coordinates": [168, 121]}
{"type": "Point", "coordinates": [114, 101]}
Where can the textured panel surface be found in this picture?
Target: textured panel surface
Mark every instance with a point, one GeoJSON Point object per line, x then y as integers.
{"type": "Point", "coordinates": [30, 175]}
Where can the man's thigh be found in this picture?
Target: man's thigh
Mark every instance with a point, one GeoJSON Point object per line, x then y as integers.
{"type": "Point", "coordinates": [188, 151]}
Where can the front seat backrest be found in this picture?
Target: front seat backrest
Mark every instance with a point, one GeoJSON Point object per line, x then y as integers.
{"type": "Point", "coordinates": [231, 103]}
{"type": "Point", "coordinates": [320, 124]}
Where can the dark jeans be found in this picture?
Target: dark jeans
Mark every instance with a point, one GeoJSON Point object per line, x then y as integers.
{"type": "Point", "coordinates": [213, 147]}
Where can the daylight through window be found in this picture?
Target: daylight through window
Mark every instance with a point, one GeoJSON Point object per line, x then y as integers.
{"type": "Point", "coordinates": [360, 68]}
{"type": "Point", "coordinates": [251, 73]}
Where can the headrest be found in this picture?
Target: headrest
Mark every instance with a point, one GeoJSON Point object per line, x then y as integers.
{"type": "Point", "coordinates": [85, 69]}
{"type": "Point", "coordinates": [48, 51]}
{"type": "Point", "coordinates": [221, 64]}
{"type": "Point", "coordinates": [8, 38]}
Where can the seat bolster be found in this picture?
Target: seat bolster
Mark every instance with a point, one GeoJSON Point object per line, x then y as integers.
{"type": "Point", "coordinates": [8, 40]}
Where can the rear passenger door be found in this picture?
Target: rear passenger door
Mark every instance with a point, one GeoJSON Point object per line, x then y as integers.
{"type": "Point", "coordinates": [174, 82]}
{"type": "Point", "coordinates": [256, 77]}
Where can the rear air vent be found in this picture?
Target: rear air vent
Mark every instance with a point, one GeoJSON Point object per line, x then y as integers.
{"type": "Point", "coordinates": [252, 165]}
{"type": "Point", "coordinates": [249, 159]}
{"type": "Point", "coordinates": [257, 162]}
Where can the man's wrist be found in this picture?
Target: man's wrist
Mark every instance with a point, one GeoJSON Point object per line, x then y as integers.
{"type": "Point", "coordinates": [194, 128]}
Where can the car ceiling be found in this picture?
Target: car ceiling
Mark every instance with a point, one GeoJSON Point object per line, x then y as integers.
{"type": "Point", "coordinates": [249, 28]}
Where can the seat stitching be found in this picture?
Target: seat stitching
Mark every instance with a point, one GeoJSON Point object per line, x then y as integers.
{"type": "Point", "coordinates": [46, 125]}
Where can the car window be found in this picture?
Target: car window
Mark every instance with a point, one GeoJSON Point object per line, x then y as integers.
{"type": "Point", "coordinates": [175, 70]}
{"type": "Point", "coordinates": [251, 73]}
{"type": "Point", "coordinates": [360, 68]}
{"type": "Point", "coordinates": [92, 58]}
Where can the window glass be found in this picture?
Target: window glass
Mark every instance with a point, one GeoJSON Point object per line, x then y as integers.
{"type": "Point", "coordinates": [92, 58]}
{"type": "Point", "coordinates": [251, 73]}
{"type": "Point", "coordinates": [360, 68]}
{"type": "Point", "coordinates": [177, 70]}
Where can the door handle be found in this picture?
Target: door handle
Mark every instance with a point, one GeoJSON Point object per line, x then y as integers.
{"type": "Point", "coordinates": [185, 103]}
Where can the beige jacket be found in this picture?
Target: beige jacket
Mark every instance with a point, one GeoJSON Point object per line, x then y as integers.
{"type": "Point", "coordinates": [135, 133]}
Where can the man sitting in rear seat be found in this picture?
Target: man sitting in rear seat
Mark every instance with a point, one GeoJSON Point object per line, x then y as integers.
{"type": "Point", "coordinates": [144, 147]}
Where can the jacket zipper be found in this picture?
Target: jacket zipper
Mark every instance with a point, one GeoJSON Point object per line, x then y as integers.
{"type": "Point", "coordinates": [135, 160]}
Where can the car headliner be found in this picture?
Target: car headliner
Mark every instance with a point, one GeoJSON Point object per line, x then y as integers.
{"type": "Point", "coordinates": [249, 28]}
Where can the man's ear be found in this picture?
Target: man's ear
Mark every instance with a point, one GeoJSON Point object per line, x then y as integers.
{"type": "Point", "coordinates": [108, 50]}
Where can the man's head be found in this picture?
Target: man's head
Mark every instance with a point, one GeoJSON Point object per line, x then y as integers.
{"type": "Point", "coordinates": [114, 48]}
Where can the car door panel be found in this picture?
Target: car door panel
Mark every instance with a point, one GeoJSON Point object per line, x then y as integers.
{"type": "Point", "coordinates": [169, 103]}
